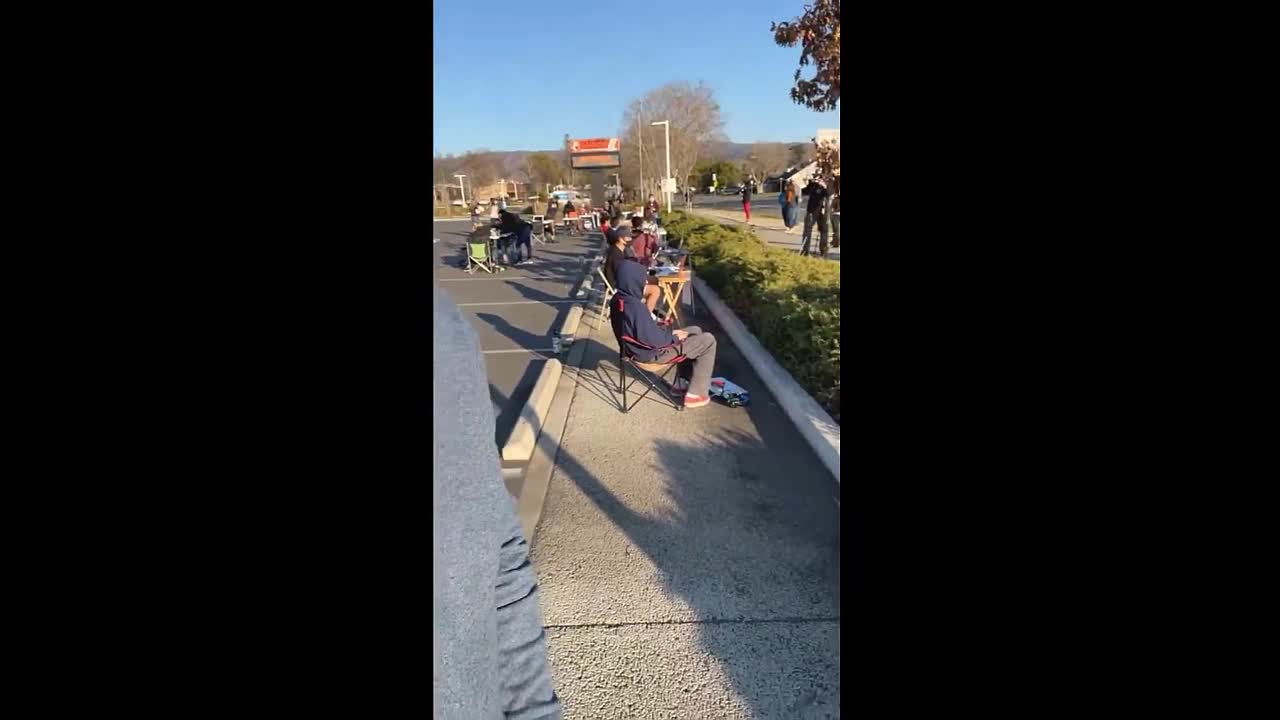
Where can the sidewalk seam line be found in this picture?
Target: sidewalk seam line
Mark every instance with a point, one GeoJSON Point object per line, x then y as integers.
{"type": "Point", "coordinates": [709, 621]}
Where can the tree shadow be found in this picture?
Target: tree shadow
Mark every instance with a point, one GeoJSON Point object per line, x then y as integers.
{"type": "Point", "coordinates": [753, 551]}
{"type": "Point", "coordinates": [506, 410]}
{"type": "Point", "coordinates": [747, 536]}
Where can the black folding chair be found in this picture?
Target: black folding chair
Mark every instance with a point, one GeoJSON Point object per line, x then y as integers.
{"type": "Point", "coordinates": [641, 368]}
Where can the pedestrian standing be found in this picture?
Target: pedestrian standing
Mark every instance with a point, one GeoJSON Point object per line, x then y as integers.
{"type": "Point", "coordinates": [787, 198]}
{"type": "Point", "coordinates": [746, 201]}
{"type": "Point", "coordinates": [815, 214]}
{"type": "Point", "coordinates": [835, 213]}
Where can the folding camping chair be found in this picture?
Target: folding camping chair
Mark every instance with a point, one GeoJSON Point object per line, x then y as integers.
{"type": "Point", "coordinates": [608, 293]}
{"type": "Point", "coordinates": [539, 229]}
{"type": "Point", "coordinates": [478, 256]}
{"type": "Point", "coordinates": [641, 368]}
{"type": "Point", "coordinates": [573, 223]}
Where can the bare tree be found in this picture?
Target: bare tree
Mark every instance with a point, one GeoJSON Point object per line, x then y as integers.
{"type": "Point", "coordinates": [695, 123]}
{"type": "Point", "coordinates": [542, 169]}
{"type": "Point", "coordinates": [482, 167]}
{"type": "Point", "coordinates": [767, 159]}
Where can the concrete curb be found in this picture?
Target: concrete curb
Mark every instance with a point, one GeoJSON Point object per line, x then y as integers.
{"type": "Point", "coordinates": [520, 444]}
{"type": "Point", "coordinates": [536, 478]}
{"type": "Point", "coordinates": [569, 329]}
{"type": "Point", "coordinates": [819, 430]}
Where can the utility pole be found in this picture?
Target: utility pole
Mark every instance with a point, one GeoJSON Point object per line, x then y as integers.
{"type": "Point", "coordinates": [463, 188]}
{"type": "Point", "coordinates": [666, 129]}
{"type": "Point", "coordinates": [640, 142]}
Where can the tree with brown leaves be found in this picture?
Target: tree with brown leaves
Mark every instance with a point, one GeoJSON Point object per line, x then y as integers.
{"type": "Point", "coordinates": [818, 33]}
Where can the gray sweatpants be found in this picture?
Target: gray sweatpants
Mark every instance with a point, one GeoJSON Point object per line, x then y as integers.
{"type": "Point", "coordinates": [700, 348]}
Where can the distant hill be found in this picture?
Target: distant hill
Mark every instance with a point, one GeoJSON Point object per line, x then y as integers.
{"type": "Point", "coordinates": [513, 160]}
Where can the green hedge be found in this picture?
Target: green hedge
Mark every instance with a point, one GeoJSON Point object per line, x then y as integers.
{"type": "Point", "coordinates": [789, 302]}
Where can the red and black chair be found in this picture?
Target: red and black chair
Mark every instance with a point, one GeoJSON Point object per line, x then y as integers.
{"type": "Point", "coordinates": [642, 368]}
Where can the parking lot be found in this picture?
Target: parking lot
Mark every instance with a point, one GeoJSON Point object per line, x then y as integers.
{"type": "Point", "coordinates": [516, 312]}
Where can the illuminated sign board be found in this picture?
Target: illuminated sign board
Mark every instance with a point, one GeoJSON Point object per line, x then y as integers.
{"type": "Point", "coordinates": [595, 153]}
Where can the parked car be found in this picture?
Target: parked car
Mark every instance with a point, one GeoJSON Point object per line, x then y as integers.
{"type": "Point", "coordinates": [730, 190]}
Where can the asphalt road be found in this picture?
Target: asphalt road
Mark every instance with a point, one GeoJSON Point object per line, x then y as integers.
{"type": "Point", "coordinates": [514, 312]}
{"type": "Point", "coordinates": [763, 204]}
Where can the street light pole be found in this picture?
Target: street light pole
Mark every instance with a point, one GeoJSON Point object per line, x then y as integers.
{"type": "Point", "coordinates": [463, 188]}
{"type": "Point", "coordinates": [640, 144]}
{"type": "Point", "coordinates": [666, 131]}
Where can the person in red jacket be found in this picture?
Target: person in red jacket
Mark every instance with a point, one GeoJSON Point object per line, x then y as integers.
{"type": "Point", "coordinates": [642, 243]}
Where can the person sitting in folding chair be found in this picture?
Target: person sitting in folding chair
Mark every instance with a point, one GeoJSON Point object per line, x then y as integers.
{"type": "Point", "coordinates": [553, 209]}
{"type": "Point", "coordinates": [571, 219]}
{"type": "Point", "coordinates": [644, 341]}
{"type": "Point", "coordinates": [622, 247]}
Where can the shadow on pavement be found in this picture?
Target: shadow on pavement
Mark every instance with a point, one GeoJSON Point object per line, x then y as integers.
{"type": "Point", "coordinates": [744, 534]}
{"type": "Point", "coordinates": [506, 411]}
{"type": "Point", "coordinates": [712, 565]}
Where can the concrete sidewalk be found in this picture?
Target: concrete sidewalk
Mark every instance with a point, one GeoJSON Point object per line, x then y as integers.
{"type": "Point", "coordinates": [689, 562]}
{"type": "Point", "coordinates": [770, 229]}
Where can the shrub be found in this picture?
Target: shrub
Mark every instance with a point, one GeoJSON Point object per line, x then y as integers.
{"type": "Point", "coordinates": [790, 302]}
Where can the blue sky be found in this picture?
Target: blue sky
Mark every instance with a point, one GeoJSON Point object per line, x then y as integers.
{"type": "Point", "coordinates": [519, 76]}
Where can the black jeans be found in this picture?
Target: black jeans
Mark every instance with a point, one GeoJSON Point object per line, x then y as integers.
{"type": "Point", "coordinates": [524, 238]}
{"type": "Point", "coordinates": [810, 219]}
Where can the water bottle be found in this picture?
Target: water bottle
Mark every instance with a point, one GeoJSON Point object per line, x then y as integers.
{"type": "Point", "coordinates": [555, 343]}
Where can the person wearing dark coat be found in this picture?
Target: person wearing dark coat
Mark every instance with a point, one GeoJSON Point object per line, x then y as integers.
{"type": "Point", "coordinates": [646, 341]}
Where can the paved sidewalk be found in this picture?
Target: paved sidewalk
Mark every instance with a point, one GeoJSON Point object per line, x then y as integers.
{"type": "Point", "coordinates": [688, 562]}
{"type": "Point", "coordinates": [770, 229]}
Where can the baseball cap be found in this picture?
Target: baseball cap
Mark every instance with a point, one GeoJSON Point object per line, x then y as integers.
{"type": "Point", "coordinates": [623, 231]}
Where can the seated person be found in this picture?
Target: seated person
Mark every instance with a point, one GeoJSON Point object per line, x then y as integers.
{"type": "Point", "coordinates": [572, 212]}
{"type": "Point", "coordinates": [553, 207]}
{"type": "Point", "coordinates": [619, 250]}
{"type": "Point", "coordinates": [644, 244]}
{"type": "Point", "coordinates": [646, 341]}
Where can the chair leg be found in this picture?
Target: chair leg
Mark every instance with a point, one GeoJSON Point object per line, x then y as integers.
{"type": "Point", "coordinates": [652, 386]}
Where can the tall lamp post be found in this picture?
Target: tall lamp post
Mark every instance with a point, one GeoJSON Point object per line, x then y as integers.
{"type": "Point", "coordinates": [463, 188]}
{"type": "Point", "coordinates": [666, 131]}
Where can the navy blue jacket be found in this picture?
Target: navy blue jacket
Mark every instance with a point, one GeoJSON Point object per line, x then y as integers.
{"type": "Point", "coordinates": [631, 320]}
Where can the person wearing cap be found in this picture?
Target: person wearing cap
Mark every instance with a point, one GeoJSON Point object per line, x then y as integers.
{"type": "Point", "coordinates": [647, 341]}
{"type": "Point", "coordinates": [620, 251]}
